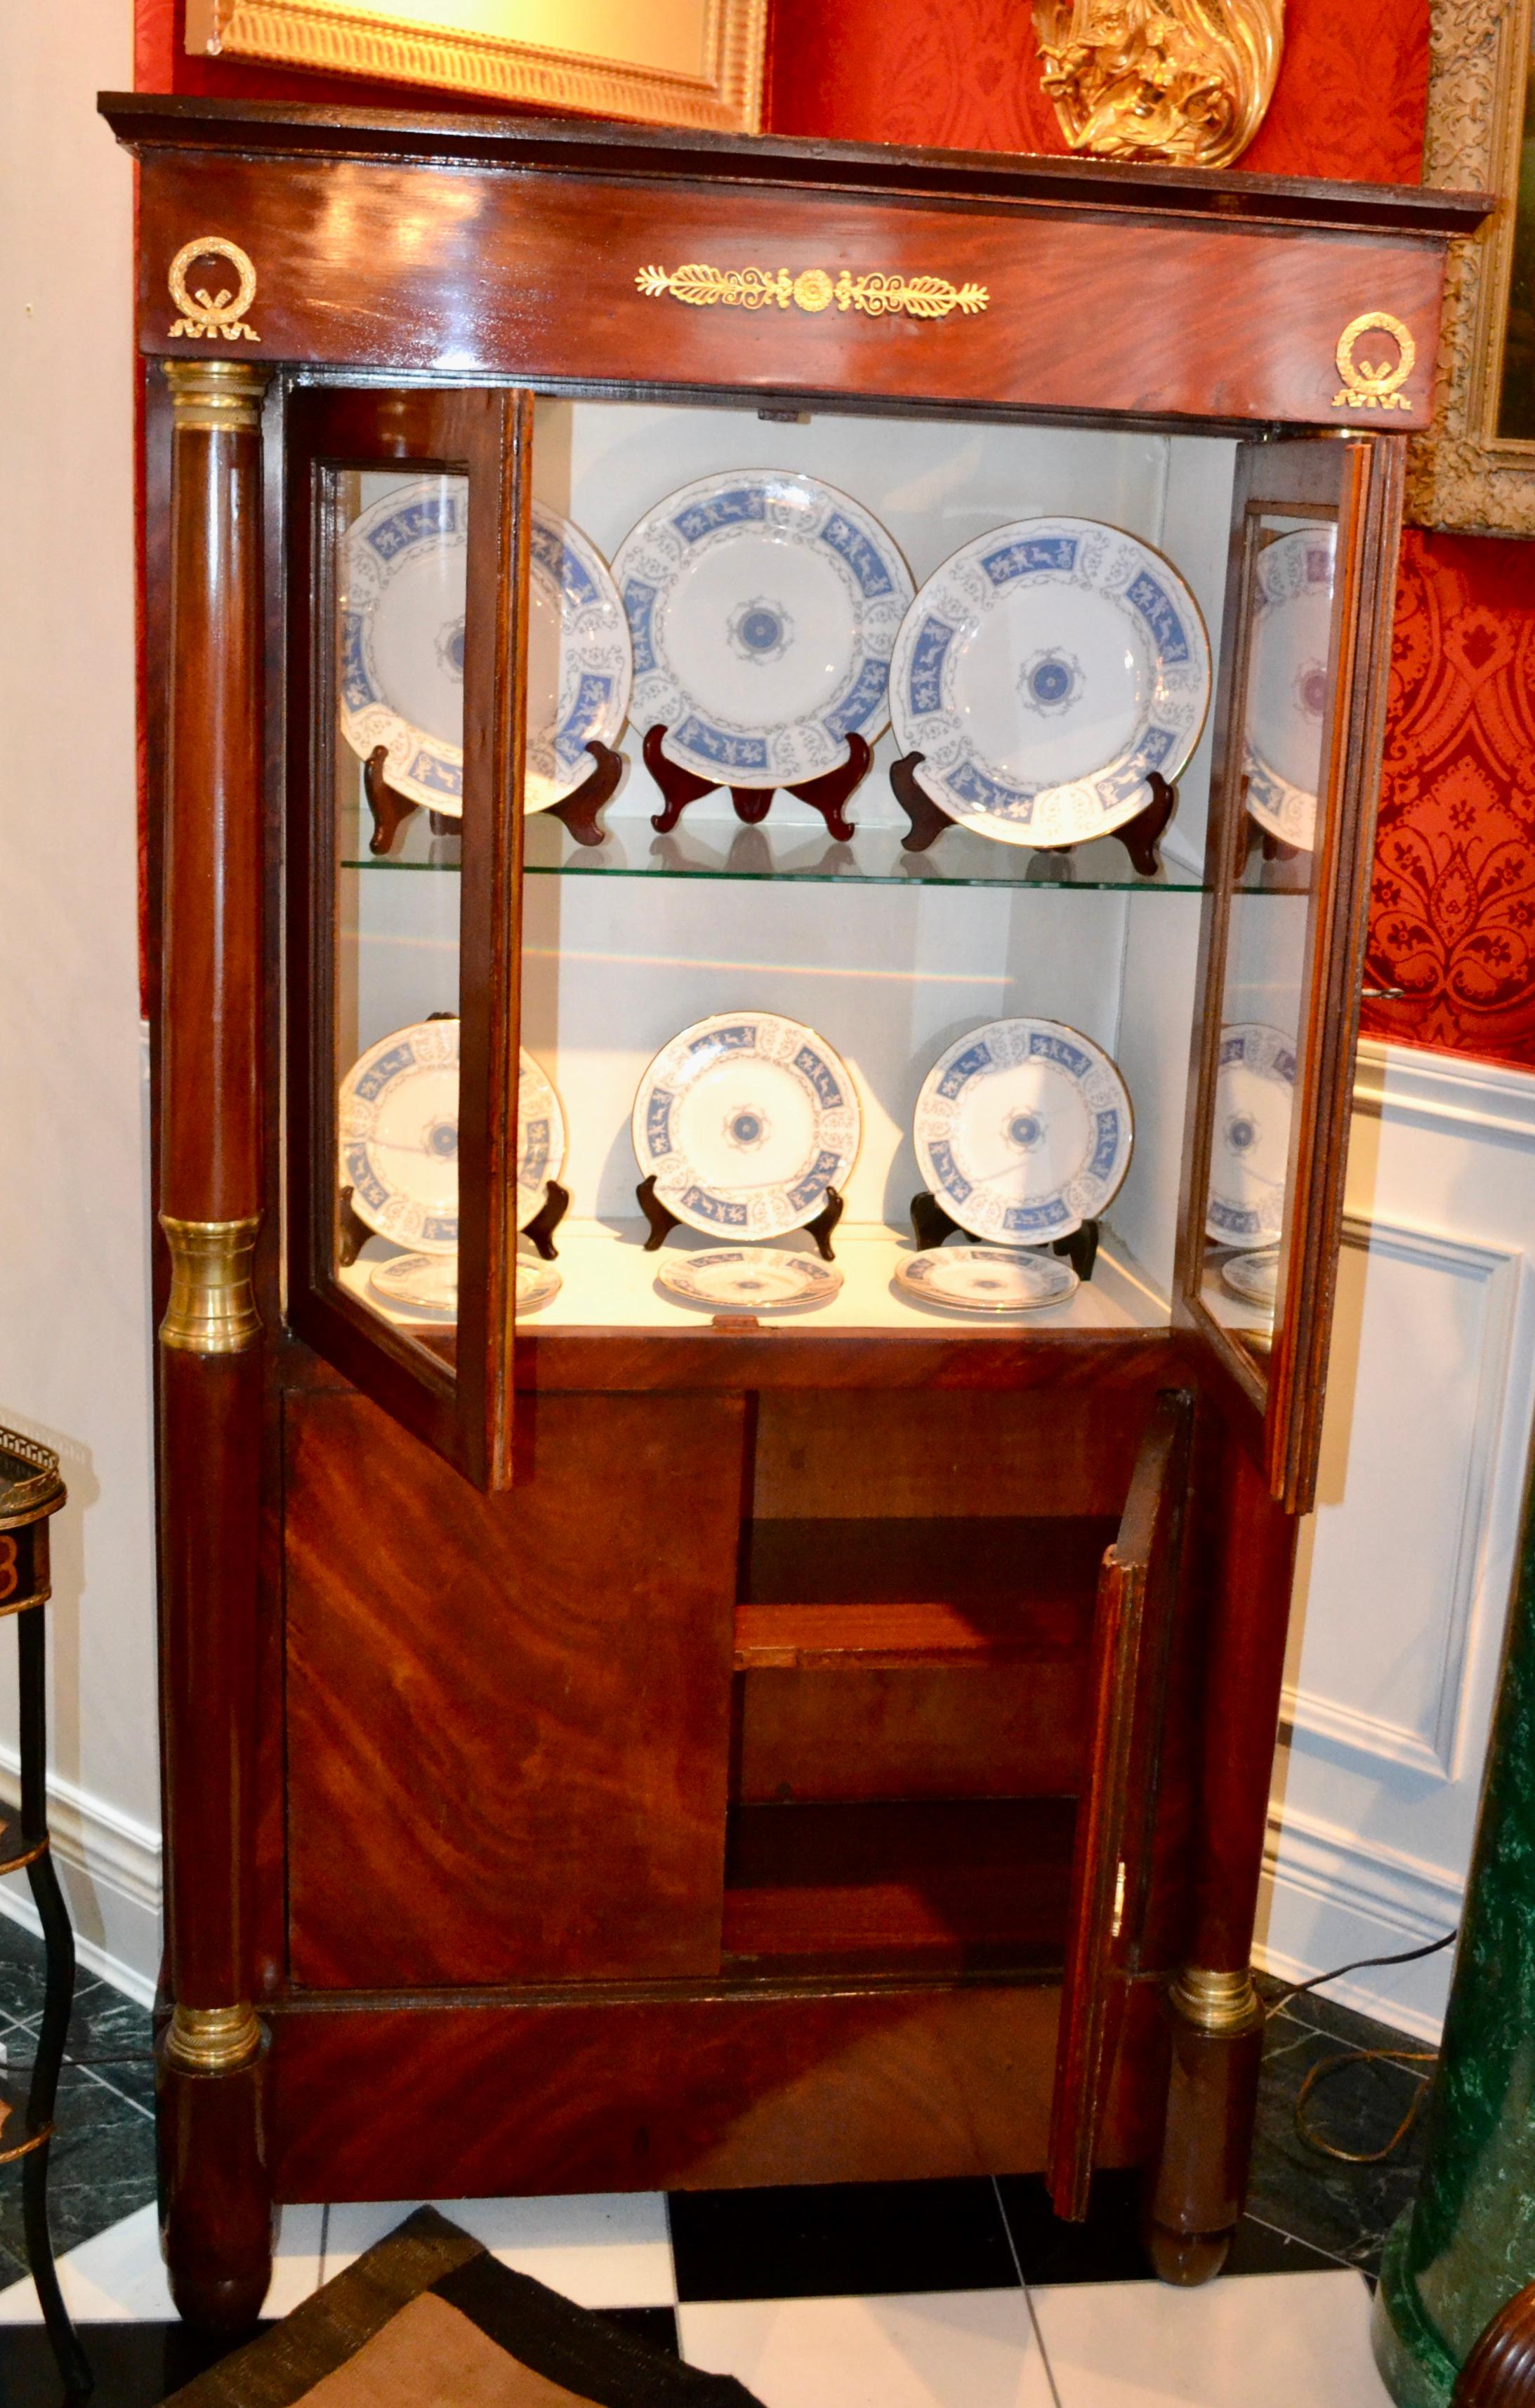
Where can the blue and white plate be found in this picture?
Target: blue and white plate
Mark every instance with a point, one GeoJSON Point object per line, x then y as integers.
{"type": "Point", "coordinates": [985, 1279]}
{"type": "Point", "coordinates": [1024, 1131]}
{"type": "Point", "coordinates": [541, 1138]}
{"type": "Point", "coordinates": [1253, 1278]}
{"type": "Point", "coordinates": [749, 1278]}
{"type": "Point", "coordinates": [1043, 673]}
{"type": "Point", "coordinates": [745, 1120]}
{"type": "Point", "coordinates": [1250, 1147]}
{"type": "Point", "coordinates": [424, 1283]}
{"type": "Point", "coordinates": [1287, 681]}
{"type": "Point", "coordinates": [762, 607]}
{"type": "Point", "coordinates": [535, 1284]}
{"type": "Point", "coordinates": [402, 665]}
{"type": "Point", "coordinates": [398, 1129]}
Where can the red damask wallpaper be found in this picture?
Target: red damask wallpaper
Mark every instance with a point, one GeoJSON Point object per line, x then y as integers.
{"type": "Point", "coordinates": [964, 74]}
{"type": "Point", "coordinates": [1452, 911]}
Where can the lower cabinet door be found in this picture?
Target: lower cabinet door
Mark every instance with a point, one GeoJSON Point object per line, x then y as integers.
{"type": "Point", "coordinates": [507, 1717]}
{"type": "Point", "coordinates": [1137, 1597]}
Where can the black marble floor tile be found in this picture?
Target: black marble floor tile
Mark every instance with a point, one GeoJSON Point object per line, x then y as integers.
{"type": "Point", "coordinates": [657, 2326]}
{"type": "Point", "coordinates": [101, 2165]}
{"type": "Point", "coordinates": [1346, 2210]}
{"type": "Point", "coordinates": [21, 1972]}
{"type": "Point", "coordinates": [1257, 2248]}
{"type": "Point", "coordinates": [1107, 2247]}
{"type": "Point", "coordinates": [134, 2365]}
{"type": "Point", "coordinates": [837, 2238]}
{"type": "Point", "coordinates": [106, 2029]}
{"type": "Point", "coordinates": [1104, 2248]}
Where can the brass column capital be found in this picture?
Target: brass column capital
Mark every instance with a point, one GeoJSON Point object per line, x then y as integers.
{"type": "Point", "coordinates": [216, 397]}
{"type": "Point", "coordinates": [1216, 2003]}
{"type": "Point", "coordinates": [212, 2040]}
{"type": "Point", "coordinates": [212, 1305]}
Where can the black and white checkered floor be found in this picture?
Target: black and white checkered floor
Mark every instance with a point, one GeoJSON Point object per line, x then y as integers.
{"type": "Point", "coordinates": [921, 2295]}
{"type": "Point", "coordinates": [931, 2295]}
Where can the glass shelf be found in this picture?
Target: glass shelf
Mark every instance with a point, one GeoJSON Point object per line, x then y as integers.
{"type": "Point", "coordinates": [721, 848]}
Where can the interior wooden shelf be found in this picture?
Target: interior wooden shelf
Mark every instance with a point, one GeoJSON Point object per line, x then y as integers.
{"type": "Point", "coordinates": [1007, 1580]}
{"type": "Point", "coordinates": [877, 1638]}
{"type": "Point", "coordinates": [951, 1886]}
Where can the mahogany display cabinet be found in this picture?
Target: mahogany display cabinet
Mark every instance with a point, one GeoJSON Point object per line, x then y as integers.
{"type": "Point", "coordinates": [618, 1746]}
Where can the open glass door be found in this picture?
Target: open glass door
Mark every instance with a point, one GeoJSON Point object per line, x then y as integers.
{"type": "Point", "coordinates": [1297, 749]}
{"type": "Point", "coordinates": [407, 545]}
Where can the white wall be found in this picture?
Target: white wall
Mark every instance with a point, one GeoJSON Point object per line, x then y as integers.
{"type": "Point", "coordinates": [74, 1313]}
{"type": "Point", "coordinates": [1406, 1567]}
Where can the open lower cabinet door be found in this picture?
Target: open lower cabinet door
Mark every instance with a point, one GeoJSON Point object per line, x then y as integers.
{"type": "Point", "coordinates": [1300, 726]}
{"type": "Point", "coordinates": [1138, 1589]}
{"type": "Point", "coordinates": [406, 562]}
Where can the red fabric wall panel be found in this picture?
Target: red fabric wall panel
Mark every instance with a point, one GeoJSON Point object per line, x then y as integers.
{"type": "Point", "coordinates": [964, 74]}
{"type": "Point", "coordinates": [1452, 911]}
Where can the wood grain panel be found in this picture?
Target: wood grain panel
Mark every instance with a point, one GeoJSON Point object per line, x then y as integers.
{"type": "Point", "coordinates": [884, 1731]}
{"type": "Point", "coordinates": [876, 2085]}
{"type": "Point", "coordinates": [1045, 1453]}
{"type": "Point", "coordinates": [508, 1717]}
{"type": "Point", "coordinates": [954, 1885]}
{"type": "Point", "coordinates": [532, 275]}
{"type": "Point", "coordinates": [908, 1360]}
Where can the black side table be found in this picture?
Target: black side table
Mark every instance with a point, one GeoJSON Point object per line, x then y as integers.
{"type": "Point", "coordinates": [31, 1490]}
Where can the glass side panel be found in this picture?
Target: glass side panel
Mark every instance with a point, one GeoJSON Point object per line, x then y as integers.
{"type": "Point", "coordinates": [399, 544]}
{"type": "Point", "coordinates": [1289, 585]}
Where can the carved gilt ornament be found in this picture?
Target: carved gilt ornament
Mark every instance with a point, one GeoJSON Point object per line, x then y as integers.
{"type": "Point", "coordinates": [205, 316]}
{"type": "Point", "coordinates": [873, 295]}
{"type": "Point", "coordinates": [1372, 384]}
{"type": "Point", "coordinates": [1189, 80]}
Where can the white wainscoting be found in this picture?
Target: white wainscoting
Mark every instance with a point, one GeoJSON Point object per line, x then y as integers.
{"type": "Point", "coordinates": [1405, 1568]}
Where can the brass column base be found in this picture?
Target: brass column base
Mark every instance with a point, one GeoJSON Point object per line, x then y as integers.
{"type": "Point", "coordinates": [212, 2040]}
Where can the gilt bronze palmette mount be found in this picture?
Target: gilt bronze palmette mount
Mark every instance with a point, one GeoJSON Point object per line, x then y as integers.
{"type": "Point", "coordinates": [1183, 79]}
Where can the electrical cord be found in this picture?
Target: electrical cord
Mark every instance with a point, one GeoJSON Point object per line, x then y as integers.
{"type": "Point", "coordinates": [1327, 2066]}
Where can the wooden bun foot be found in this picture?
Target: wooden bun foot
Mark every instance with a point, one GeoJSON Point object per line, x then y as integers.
{"type": "Point", "coordinates": [1186, 2259]}
{"type": "Point", "coordinates": [1216, 2025]}
{"type": "Point", "coordinates": [216, 2216]}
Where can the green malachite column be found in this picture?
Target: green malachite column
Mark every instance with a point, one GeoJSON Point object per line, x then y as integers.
{"type": "Point", "coordinates": [1468, 2243]}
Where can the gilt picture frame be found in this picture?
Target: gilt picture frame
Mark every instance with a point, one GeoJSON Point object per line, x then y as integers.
{"type": "Point", "coordinates": [1475, 471]}
{"type": "Point", "coordinates": [689, 62]}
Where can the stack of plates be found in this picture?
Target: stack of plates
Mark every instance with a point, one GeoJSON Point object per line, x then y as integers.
{"type": "Point", "coordinates": [986, 1279]}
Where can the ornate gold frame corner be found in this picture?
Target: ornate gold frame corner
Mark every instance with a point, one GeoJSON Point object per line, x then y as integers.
{"type": "Point", "coordinates": [317, 34]}
{"type": "Point", "coordinates": [1461, 474]}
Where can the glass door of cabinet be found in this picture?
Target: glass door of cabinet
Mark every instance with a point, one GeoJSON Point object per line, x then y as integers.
{"type": "Point", "coordinates": [407, 554]}
{"type": "Point", "coordinates": [1297, 747]}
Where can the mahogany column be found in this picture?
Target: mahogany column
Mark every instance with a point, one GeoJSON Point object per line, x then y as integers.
{"type": "Point", "coordinates": [1214, 2012]}
{"type": "Point", "coordinates": [215, 2193]}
